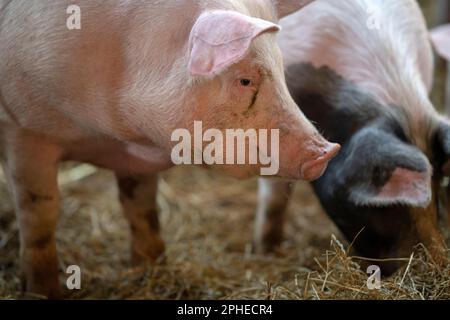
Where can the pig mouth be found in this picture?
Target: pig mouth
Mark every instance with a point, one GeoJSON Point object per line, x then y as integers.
{"type": "Point", "coordinates": [314, 169]}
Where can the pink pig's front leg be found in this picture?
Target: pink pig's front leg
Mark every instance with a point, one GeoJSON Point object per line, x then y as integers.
{"type": "Point", "coordinates": [30, 164]}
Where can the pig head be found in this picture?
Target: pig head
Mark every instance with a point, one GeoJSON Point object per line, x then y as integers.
{"type": "Point", "coordinates": [238, 82]}
{"type": "Point", "coordinates": [381, 190]}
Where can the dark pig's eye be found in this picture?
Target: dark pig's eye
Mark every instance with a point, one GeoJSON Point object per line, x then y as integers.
{"type": "Point", "coordinates": [246, 82]}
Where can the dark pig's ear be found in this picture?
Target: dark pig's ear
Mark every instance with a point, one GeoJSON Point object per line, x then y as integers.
{"type": "Point", "coordinates": [382, 170]}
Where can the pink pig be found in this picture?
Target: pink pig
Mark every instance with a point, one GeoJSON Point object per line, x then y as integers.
{"type": "Point", "coordinates": [112, 93]}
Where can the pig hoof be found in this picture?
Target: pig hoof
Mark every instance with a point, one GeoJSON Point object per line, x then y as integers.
{"type": "Point", "coordinates": [148, 252]}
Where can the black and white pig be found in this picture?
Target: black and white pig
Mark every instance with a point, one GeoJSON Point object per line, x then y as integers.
{"type": "Point", "coordinates": [362, 71]}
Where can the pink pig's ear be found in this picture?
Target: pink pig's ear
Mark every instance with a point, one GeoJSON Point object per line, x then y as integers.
{"type": "Point", "coordinates": [440, 37]}
{"type": "Point", "coordinates": [220, 39]}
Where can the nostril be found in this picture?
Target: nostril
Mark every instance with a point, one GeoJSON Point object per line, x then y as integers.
{"type": "Point", "coordinates": [331, 151]}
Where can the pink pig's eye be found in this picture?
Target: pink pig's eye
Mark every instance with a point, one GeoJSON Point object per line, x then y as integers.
{"type": "Point", "coordinates": [246, 82]}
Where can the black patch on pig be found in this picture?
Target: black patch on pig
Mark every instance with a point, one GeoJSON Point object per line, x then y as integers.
{"type": "Point", "coordinates": [443, 136]}
{"type": "Point", "coordinates": [127, 186]}
{"type": "Point", "coordinates": [336, 106]}
{"type": "Point", "coordinates": [373, 146]}
{"type": "Point", "coordinates": [441, 149]}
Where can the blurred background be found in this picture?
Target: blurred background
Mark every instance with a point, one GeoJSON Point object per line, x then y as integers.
{"type": "Point", "coordinates": [437, 12]}
{"type": "Point", "coordinates": [207, 223]}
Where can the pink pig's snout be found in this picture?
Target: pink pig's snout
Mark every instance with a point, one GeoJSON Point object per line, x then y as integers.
{"type": "Point", "coordinates": [314, 169]}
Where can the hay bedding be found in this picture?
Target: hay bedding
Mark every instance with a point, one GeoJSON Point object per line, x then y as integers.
{"type": "Point", "coordinates": [207, 223]}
